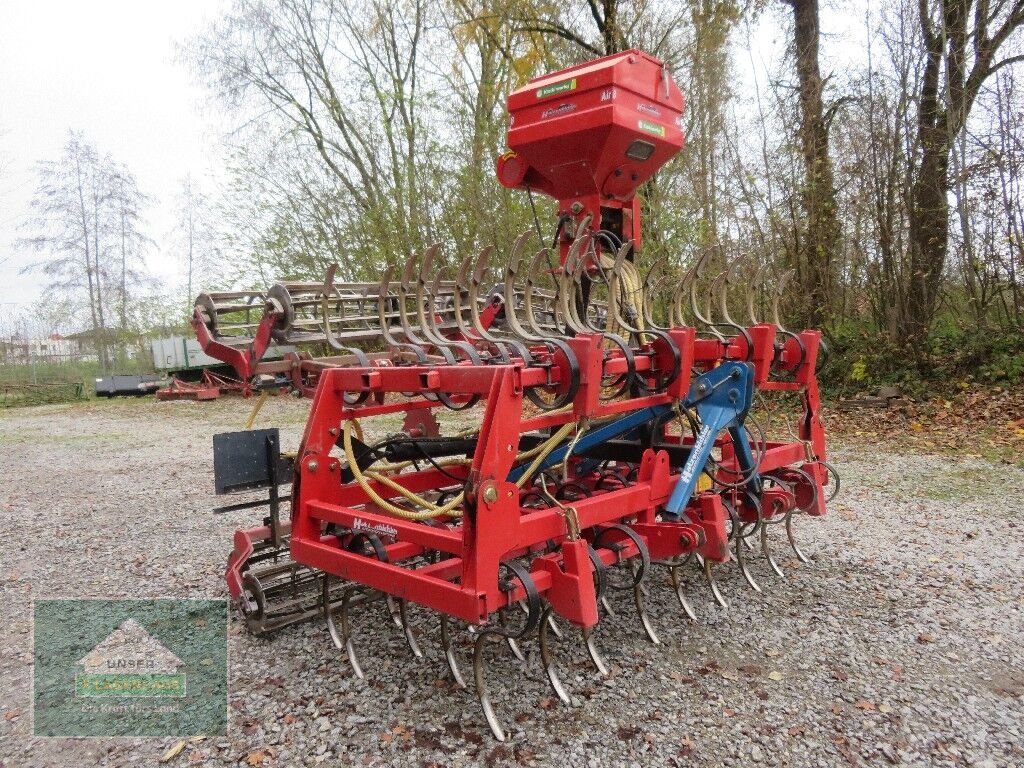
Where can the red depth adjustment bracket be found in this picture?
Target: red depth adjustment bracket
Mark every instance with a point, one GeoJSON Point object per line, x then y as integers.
{"type": "Point", "coordinates": [590, 135]}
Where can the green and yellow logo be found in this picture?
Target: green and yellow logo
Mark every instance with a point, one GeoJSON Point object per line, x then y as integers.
{"type": "Point", "coordinates": [551, 90]}
{"type": "Point", "coordinates": [130, 662]}
{"type": "Point", "coordinates": [655, 128]}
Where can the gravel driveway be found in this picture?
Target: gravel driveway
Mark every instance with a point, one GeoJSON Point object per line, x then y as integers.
{"type": "Point", "coordinates": [900, 644]}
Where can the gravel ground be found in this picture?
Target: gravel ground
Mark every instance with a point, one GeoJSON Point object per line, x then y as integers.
{"type": "Point", "coordinates": [900, 643]}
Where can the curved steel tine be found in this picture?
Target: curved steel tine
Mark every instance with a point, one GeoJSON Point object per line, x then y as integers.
{"type": "Point", "coordinates": [547, 658]}
{"type": "Point", "coordinates": [325, 601]}
{"type": "Point", "coordinates": [638, 598]}
{"type": "Point", "coordinates": [476, 278]}
{"type": "Point", "coordinates": [511, 317]}
{"type": "Point", "coordinates": [719, 597]}
{"type": "Point", "coordinates": [555, 629]}
{"type": "Point", "coordinates": [792, 540]}
{"type": "Point", "coordinates": [404, 288]}
{"type": "Point", "coordinates": [606, 604]}
{"type": "Point", "coordinates": [426, 292]}
{"type": "Point", "coordinates": [332, 340]}
{"type": "Point", "coordinates": [424, 296]}
{"type": "Point", "coordinates": [593, 651]}
{"type": "Point", "coordinates": [613, 287]}
{"type": "Point", "coordinates": [698, 273]}
{"type": "Point", "coordinates": [780, 290]}
{"type": "Point", "coordinates": [732, 275]}
{"type": "Point", "coordinates": [510, 641]}
{"type": "Point", "coordinates": [393, 609]}
{"type": "Point", "coordinates": [383, 296]}
{"type": "Point", "coordinates": [410, 638]}
{"type": "Point", "coordinates": [752, 288]}
{"type": "Point", "coordinates": [461, 280]}
{"type": "Point", "coordinates": [677, 583]}
{"type": "Point", "coordinates": [741, 561]}
{"type": "Point", "coordinates": [346, 635]}
{"type": "Point", "coordinates": [567, 288]}
{"type": "Point", "coordinates": [449, 654]}
{"type": "Point", "coordinates": [649, 294]}
{"type": "Point", "coordinates": [481, 686]}
{"type": "Point", "coordinates": [531, 283]}
{"type": "Point", "coordinates": [768, 553]}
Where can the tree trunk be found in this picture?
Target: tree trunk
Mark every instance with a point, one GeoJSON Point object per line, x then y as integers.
{"type": "Point", "coordinates": [818, 197]}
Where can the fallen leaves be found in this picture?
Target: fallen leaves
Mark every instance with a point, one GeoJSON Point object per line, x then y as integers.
{"type": "Point", "coordinates": [776, 676]}
{"type": "Point", "coordinates": [173, 751]}
{"type": "Point", "coordinates": [256, 758]}
{"type": "Point", "coordinates": [924, 638]}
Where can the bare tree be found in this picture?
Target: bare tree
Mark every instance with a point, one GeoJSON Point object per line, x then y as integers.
{"type": "Point", "coordinates": [77, 206]}
{"type": "Point", "coordinates": [821, 230]}
{"type": "Point", "coordinates": [962, 41]}
{"type": "Point", "coordinates": [196, 237]}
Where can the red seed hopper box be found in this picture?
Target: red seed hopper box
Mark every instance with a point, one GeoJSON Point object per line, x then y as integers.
{"type": "Point", "coordinates": [600, 128]}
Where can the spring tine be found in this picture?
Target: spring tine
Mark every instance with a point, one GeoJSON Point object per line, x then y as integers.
{"type": "Point", "coordinates": [780, 290]}
{"type": "Point", "coordinates": [732, 275]}
{"type": "Point", "coordinates": [613, 287]}
{"type": "Point", "coordinates": [346, 636]}
{"type": "Point", "coordinates": [410, 638]}
{"type": "Point", "coordinates": [332, 340]}
{"type": "Point", "coordinates": [510, 641]}
{"type": "Point", "coordinates": [555, 629]}
{"type": "Point", "coordinates": [547, 658]}
{"type": "Point", "coordinates": [650, 292]}
{"type": "Point", "coordinates": [592, 649]}
{"type": "Point", "coordinates": [645, 620]}
{"type": "Point", "coordinates": [752, 288]}
{"type": "Point", "coordinates": [325, 600]}
{"type": "Point", "coordinates": [383, 296]}
{"type": "Point", "coordinates": [682, 290]}
{"type": "Point", "coordinates": [768, 553]}
{"type": "Point", "coordinates": [719, 597]}
{"type": "Point", "coordinates": [424, 296]}
{"type": "Point", "coordinates": [461, 281]}
{"type": "Point", "coordinates": [481, 686]}
{"type": "Point", "coordinates": [404, 287]}
{"type": "Point", "coordinates": [606, 604]}
{"type": "Point", "coordinates": [792, 540]}
{"type": "Point", "coordinates": [393, 609]}
{"type": "Point", "coordinates": [531, 283]}
{"type": "Point", "coordinates": [449, 654]}
{"type": "Point", "coordinates": [511, 317]}
{"type": "Point", "coordinates": [741, 561]}
{"type": "Point", "coordinates": [698, 272]}
{"type": "Point", "coordinates": [575, 262]}
{"type": "Point", "coordinates": [677, 583]}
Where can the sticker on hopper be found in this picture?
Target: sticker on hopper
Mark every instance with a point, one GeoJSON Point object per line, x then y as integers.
{"type": "Point", "coordinates": [562, 87]}
{"type": "Point", "coordinates": [655, 128]}
{"type": "Point", "coordinates": [561, 109]}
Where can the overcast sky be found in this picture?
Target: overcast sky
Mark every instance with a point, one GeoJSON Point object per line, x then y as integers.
{"type": "Point", "coordinates": [107, 68]}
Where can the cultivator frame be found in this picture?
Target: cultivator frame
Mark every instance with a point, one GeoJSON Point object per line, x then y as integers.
{"type": "Point", "coordinates": [611, 441]}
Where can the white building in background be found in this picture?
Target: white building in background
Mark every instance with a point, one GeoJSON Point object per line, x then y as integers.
{"type": "Point", "coordinates": [15, 350]}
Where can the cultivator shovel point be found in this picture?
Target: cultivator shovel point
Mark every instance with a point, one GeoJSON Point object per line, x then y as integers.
{"type": "Point", "coordinates": [616, 429]}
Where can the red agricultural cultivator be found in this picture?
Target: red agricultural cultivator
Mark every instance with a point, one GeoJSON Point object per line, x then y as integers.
{"type": "Point", "coordinates": [614, 430]}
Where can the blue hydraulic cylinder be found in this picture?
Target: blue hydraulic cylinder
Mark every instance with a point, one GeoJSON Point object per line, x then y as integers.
{"type": "Point", "coordinates": [722, 397]}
